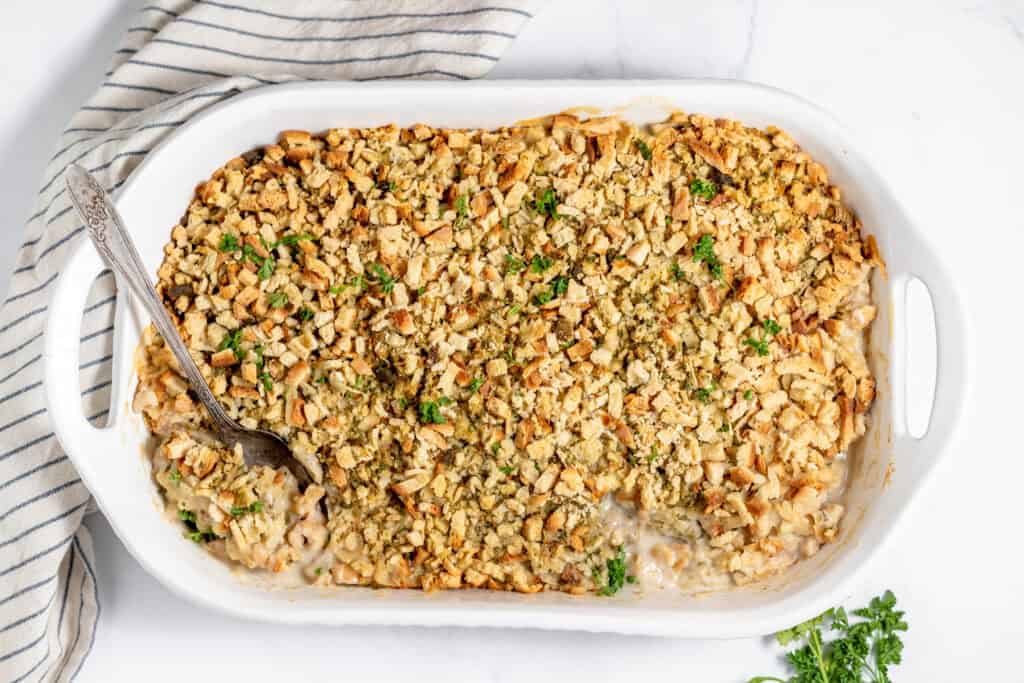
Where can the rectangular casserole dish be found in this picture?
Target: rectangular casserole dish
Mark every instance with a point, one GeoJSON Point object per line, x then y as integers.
{"type": "Point", "coordinates": [888, 465]}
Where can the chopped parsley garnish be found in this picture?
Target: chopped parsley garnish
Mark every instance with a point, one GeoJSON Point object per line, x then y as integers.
{"type": "Point", "coordinates": [505, 221]}
{"type": "Point", "coordinates": [266, 268]}
{"type": "Point", "coordinates": [654, 453]}
{"type": "Point", "coordinates": [547, 203]}
{"type": "Point", "coordinates": [461, 209]}
{"type": "Point", "coordinates": [559, 286]}
{"type": "Point", "coordinates": [705, 251]}
{"type": "Point", "coordinates": [771, 327]}
{"type": "Point", "coordinates": [668, 220]}
{"type": "Point", "coordinates": [233, 341]}
{"type": "Point", "coordinates": [290, 240]}
{"type": "Point", "coordinates": [540, 263]}
{"type": "Point", "coordinates": [513, 265]}
{"type": "Point", "coordinates": [229, 242]}
{"type": "Point", "coordinates": [645, 151]}
{"type": "Point", "coordinates": [203, 536]}
{"type": "Point", "coordinates": [337, 289]}
{"type": "Point", "coordinates": [507, 470]}
{"type": "Point", "coordinates": [322, 379]}
{"type": "Point", "coordinates": [258, 352]}
{"type": "Point", "coordinates": [430, 412]}
{"type": "Point", "coordinates": [319, 571]}
{"type": "Point", "coordinates": [306, 314]}
{"type": "Point", "coordinates": [616, 578]}
{"type": "Point", "coordinates": [759, 345]}
{"type": "Point", "coordinates": [387, 283]}
{"type": "Point", "coordinates": [510, 356]}
{"type": "Point", "coordinates": [725, 427]}
{"type": "Point", "coordinates": [388, 185]}
{"type": "Point", "coordinates": [703, 188]}
{"type": "Point", "coordinates": [748, 394]}
{"type": "Point", "coordinates": [277, 299]}
{"type": "Point", "coordinates": [677, 272]}
{"type": "Point", "coordinates": [175, 475]}
{"type": "Point", "coordinates": [704, 394]}
{"type": "Point", "coordinates": [255, 506]}
{"type": "Point", "coordinates": [187, 516]}
{"type": "Point", "coordinates": [513, 309]}
{"type": "Point", "coordinates": [267, 382]}
{"type": "Point", "coordinates": [475, 385]}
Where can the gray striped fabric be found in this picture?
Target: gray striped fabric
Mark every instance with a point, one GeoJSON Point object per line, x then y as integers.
{"type": "Point", "coordinates": [179, 58]}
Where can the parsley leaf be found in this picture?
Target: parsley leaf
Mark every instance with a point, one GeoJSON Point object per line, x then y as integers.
{"type": "Point", "coordinates": [475, 385]}
{"type": "Point", "coordinates": [267, 382]}
{"type": "Point", "coordinates": [289, 240]}
{"type": "Point", "coordinates": [616, 578]}
{"type": "Point", "coordinates": [233, 341]}
{"type": "Point", "coordinates": [306, 314]}
{"type": "Point", "coordinates": [677, 272]}
{"type": "Point", "coordinates": [255, 506]}
{"type": "Point", "coordinates": [860, 651]}
{"type": "Point", "coordinates": [507, 470]}
{"type": "Point", "coordinates": [175, 475]}
{"type": "Point", "coordinates": [277, 299]}
{"type": "Point", "coordinates": [547, 203]}
{"type": "Point", "coordinates": [759, 345]}
{"type": "Point", "coordinates": [387, 283]}
{"type": "Point", "coordinates": [705, 251]}
{"type": "Point", "coordinates": [771, 327]}
{"type": "Point", "coordinates": [703, 188]}
{"type": "Point", "coordinates": [540, 263]}
{"type": "Point", "coordinates": [645, 151]}
{"type": "Point", "coordinates": [748, 394]}
{"type": "Point", "coordinates": [430, 412]}
{"type": "Point", "coordinates": [228, 242]}
{"type": "Point", "coordinates": [266, 268]}
{"type": "Point", "coordinates": [704, 394]}
{"type": "Point", "coordinates": [461, 209]}
{"type": "Point", "coordinates": [513, 265]}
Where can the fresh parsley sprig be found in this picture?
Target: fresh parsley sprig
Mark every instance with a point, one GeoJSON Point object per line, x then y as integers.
{"type": "Point", "coordinates": [862, 651]}
{"type": "Point", "coordinates": [705, 251]}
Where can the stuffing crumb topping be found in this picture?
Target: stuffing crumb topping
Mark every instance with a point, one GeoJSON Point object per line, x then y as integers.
{"type": "Point", "coordinates": [492, 346]}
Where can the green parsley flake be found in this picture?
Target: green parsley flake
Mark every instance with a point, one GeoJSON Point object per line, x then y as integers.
{"type": "Point", "coordinates": [387, 283]}
{"type": "Point", "coordinates": [461, 209]}
{"type": "Point", "coordinates": [267, 382]}
{"type": "Point", "coordinates": [547, 203]}
{"type": "Point", "coordinates": [645, 151]}
{"type": "Point", "coordinates": [513, 265]}
{"type": "Point", "coordinates": [277, 299]}
{"type": "Point", "coordinates": [266, 269]}
{"type": "Point", "coordinates": [759, 345]}
{"type": "Point", "coordinates": [306, 314]}
{"type": "Point", "coordinates": [705, 251]}
{"type": "Point", "coordinates": [771, 327]}
{"type": "Point", "coordinates": [540, 263]}
{"type": "Point", "coordinates": [507, 470]}
{"type": "Point", "coordinates": [228, 242]}
{"type": "Point", "coordinates": [430, 412]}
{"type": "Point", "coordinates": [616, 579]}
{"type": "Point", "coordinates": [704, 394]}
{"type": "Point", "coordinates": [703, 188]}
{"type": "Point", "coordinates": [475, 385]}
{"type": "Point", "coordinates": [748, 394]}
{"type": "Point", "coordinates": [677, 272]}
{"type": "Point", "coordinates": [233, 341]}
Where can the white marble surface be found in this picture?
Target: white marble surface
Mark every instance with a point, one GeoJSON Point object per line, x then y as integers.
{"type": "Point", "coordinates": [932, 89]}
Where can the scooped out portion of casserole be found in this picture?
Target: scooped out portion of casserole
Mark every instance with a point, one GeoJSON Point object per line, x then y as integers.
{"type": "Point", "coordinates": [571, 354]}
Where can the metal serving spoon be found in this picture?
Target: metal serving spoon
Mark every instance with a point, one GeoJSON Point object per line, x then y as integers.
{"type": "Point", "coordinates": [107, 231]}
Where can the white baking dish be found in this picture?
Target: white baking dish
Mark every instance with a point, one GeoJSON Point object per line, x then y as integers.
{"type": "Point", "coordinates": [110, 461]}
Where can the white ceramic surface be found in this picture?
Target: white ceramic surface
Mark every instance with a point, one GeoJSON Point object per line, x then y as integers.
{"type": "Point", "coordinates": [110, 463]}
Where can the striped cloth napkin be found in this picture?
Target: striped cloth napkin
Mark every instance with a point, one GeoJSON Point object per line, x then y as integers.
{"type": "Point", "coordinates": [180, 57]}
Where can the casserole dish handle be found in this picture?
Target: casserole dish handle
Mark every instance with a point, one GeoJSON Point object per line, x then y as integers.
{"type": "Point", "coordinates": [61, 357]}
{"type": "Point", "coordinates": [952, 360]}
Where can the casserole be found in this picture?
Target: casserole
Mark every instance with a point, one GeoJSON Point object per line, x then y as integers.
{"type": "Point", "coordinates": [888, 464]}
